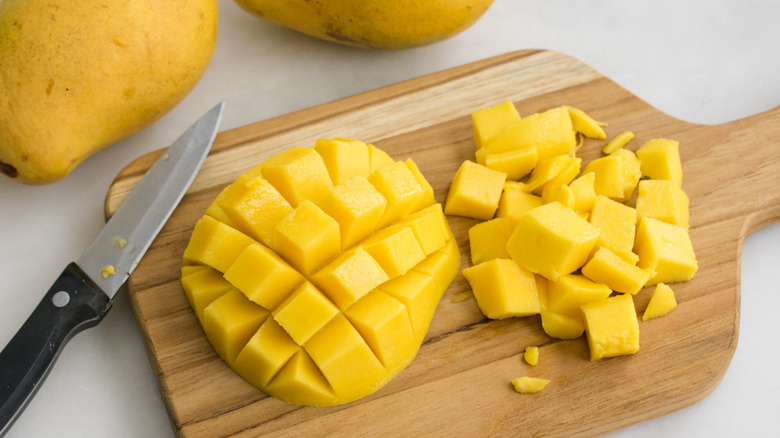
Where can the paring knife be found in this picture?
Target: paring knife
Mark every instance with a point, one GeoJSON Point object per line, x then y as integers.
{"type": "Point", "coordinates": [83, 293]}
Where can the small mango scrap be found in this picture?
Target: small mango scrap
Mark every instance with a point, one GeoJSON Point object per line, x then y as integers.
{"type": "Point", "coordinates": [318, 262]}
{"type": "Point", "coordinates": [585, 237]}
{"type": "Point", "coordinates": [529, 385]}
{"type": "Point", "coordinates": [531, 355]}
{"type": "Point", "coordinates": [661, 302]}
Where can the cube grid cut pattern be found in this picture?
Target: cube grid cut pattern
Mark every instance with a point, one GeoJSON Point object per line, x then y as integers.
{"type": "Point", "coordinates": [341, 277]}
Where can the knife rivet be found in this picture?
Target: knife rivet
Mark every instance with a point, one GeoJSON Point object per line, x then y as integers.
{"type": "Point", "coordinates": [60, 299]}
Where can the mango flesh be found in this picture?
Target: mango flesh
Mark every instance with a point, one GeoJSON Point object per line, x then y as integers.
{"type": "Point", "coordinates": [316, 274]}
{"type": "Point", "coordinates": [475, 191]}
{"type": "Point", "coordinates": [582, 240]}
{"type": "Point", "coordinates": [661, 302]}
{"type": "Point", "coordinates": [373, 24]}
{"type": "Point", "coordinates": [69, 89]}
{"type": "Point", "coordinates": [612, 327]}
{"type": "Point", "coordinates": [529, 385]}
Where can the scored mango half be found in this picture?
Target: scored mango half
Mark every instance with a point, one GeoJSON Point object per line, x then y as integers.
{"type": "Point", "coordinates": [316, 274]}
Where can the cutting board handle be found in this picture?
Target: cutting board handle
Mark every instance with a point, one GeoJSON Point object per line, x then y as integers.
{"type": "Point", "coordinates": [741, 169]}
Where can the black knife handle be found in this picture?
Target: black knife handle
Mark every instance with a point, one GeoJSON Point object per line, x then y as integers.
{"type": "Point", "coordinates": [73, 303]}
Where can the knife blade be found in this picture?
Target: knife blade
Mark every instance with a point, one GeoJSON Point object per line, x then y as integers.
{"type": "Point", "coordinates": [82, 295]}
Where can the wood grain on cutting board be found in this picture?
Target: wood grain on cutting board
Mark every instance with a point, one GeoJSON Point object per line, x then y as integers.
{"type": "Point", "coordinates": [459, 382]}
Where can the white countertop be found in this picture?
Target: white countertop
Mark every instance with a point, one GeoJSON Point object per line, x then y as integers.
{"type": "Point", "coordinates": [702, 61]}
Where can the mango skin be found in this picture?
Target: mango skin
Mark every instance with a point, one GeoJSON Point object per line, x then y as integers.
{"type": "Point", "coordinates": [76, 77]}
{"type": "Point", "coordinates": [372, 24]}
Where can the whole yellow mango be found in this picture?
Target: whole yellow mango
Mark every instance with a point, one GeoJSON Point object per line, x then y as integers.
{"type": "Point", "coordinates": [76, 77]}
{"type": "Point", "coordinates": [375, 24]}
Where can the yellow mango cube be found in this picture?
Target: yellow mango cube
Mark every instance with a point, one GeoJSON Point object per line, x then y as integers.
{"type": "Point", "coordinates": [531, 355]}
{"type": "Point", "coordinates": [263, 276]}
{"type": "Point", "coordinates": [384, 323]}
{"type": "Point", "coordinates": [395, 249]}
{"type": "Point", "coordinates": [349, 276]}
{"type": "Point", "coordinates": [561, 194]}
{"type": "Point", "coordinates": [612, 327]}
{"type": "Point", "coordinates": [307, 238]}
{"type": "Point", "coordinates": [552, 240]}
{"type": "Point", "coordinates": [202, 287]}
{"type": "Point", "coordinates": [516, 202]}
{"type": "Point", "coordinates": [551, 133]}
{"type": "Point", "coordinates": [420, 294]}
{"type": "Point", "coordinates": [255, 207]}
{"type": "Point", "coordinates": [663, 200]}
{"type": "Point", "coordinates": [562, 326]}
{"type": "Point", "coordinates": [584, 192]}
{"type": "Point", "coordinates": [503, 289]}
{"type": "Point", "coordinates": [230, 321]}
{"type": "Point", "coordinates": [585, 124]}
{"type": "Point", "coordinates": [216, 212]}
{"type": "Point", "coordinates": [660, 159]}
{"type": "Point", "coordinates": [215, 244]}
{"type": "Point", "coordinates": [553, 188]}
{"type": "Point", "coordinates": [304, 313]}
{"type": "Point", "coordinates": [665, 249]}
{"type": "Point", "coordinates": [609, 176]}
{"type": "Point", "coordinates": [429, 227]}
{"type": "Point", "coordinates": [428, 198]}
{"type": "Point", "coordinates": [661, 302]}
{"type": "Point", "coordinates": [568, 293]}
{"type": "Point", "coordinates": [191, 269]}
{"type": "Point", "coordinates": [487, 240]}
{"type": "Point", "coordinates": [399, 186]}
{"type": "Point", "coordinates": [474, 191]}
{"type": "Point", "coordinates": [442, 266]}
{"type": "Point", "coordinates": [338, 350]}
{"type": "Point", "coordinates": [265, 354]}
{"type": "Point", "coordinates": [344, 158]}
{"type": "Point", "coordinates": [357, 206]}
{"type": "Point", "coordinates": [616, 223]}
{"type": "Point", "coordinates": [515, 163]}
{"type": "Point", "coordinates": [298, 174]}
{"type": "Point", "coordinates": [529, 385]}
{"type": "Point", "coordinates": [632, 172]}
{"type": "Point", "coordinates": [300, 381]}
{"type": "Point", "coordinates": [557, 170]}
{"type": "Point", "coordinates": [377, 159]}
{"type": "Point", "coordinates": [615, 272]}
{"type": "Point", "coordinates": [557, 325]}
{"type": "Point", "coordinates": [487, 122]}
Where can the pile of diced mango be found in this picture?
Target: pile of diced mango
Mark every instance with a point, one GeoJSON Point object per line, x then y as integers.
{"type": "Point", "coordinates": [315, 275]}
{"type": "Point", "coordinates": [572, 243]}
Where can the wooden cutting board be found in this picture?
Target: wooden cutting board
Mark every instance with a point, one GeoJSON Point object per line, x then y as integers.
{"type": "Point", "coordinates": [459, 383]}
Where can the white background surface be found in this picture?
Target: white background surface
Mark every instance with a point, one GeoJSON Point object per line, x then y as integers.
{"type": "Point", "coordinates": [703, 61]}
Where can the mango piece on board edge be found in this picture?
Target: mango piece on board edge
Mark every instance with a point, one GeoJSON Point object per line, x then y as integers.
{"type": "Point", "coordinates": [328, 264]}
{"type": "Point", "coordinates": [84, 88]}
